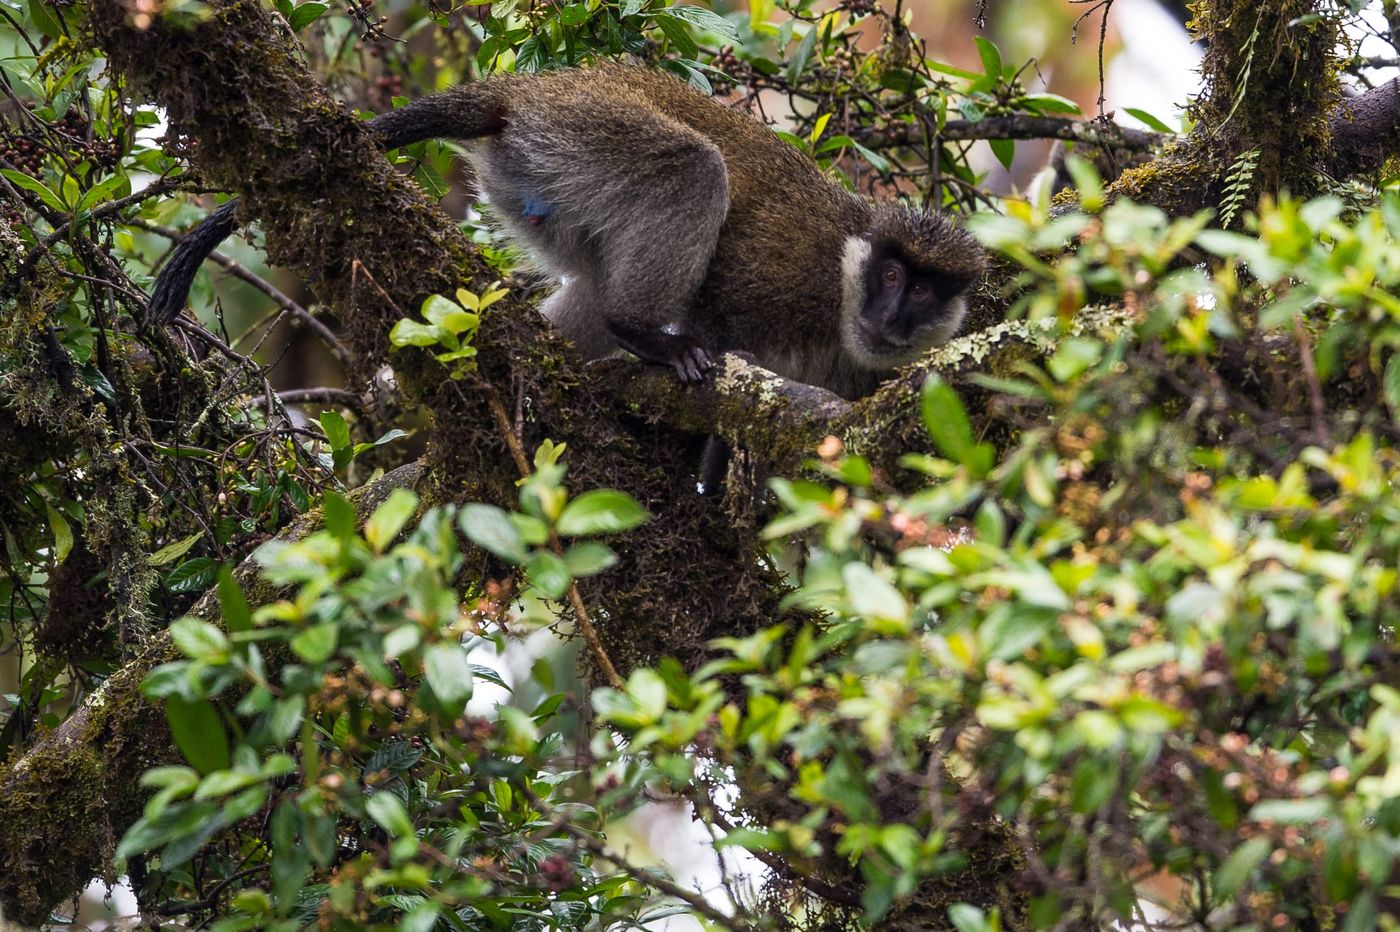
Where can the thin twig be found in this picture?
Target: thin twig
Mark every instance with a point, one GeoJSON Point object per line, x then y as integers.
{"type": "Point", "coordinates": [585, 624]}
{"type": "Point", "coordinates": [1319, 406]}
{"type": "Point", "coordinates": [692, 899]}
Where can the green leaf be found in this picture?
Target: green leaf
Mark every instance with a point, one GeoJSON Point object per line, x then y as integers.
{"type": "Point", "coordinates": [601, 511]}
{"type": "Point", "coordinates": [1050, 103]}
{"type": "Point", "coordinates": [704, 19]}
{"type": "Point", "coordinates": [45, 19]}
{"type": "Point", "coordinates": [1004, 150]}
{"type": "Point", "coordinates": [1239, 865]}
{"type": "Point", "coordinates": [548, 573]}
{"type": "Point", "coordinates": [491, 529]}
{"type": "Point", "coordinates": [340, 516]}
{"type": "Point", "coordinates": [222, 782]}
{"type": "Point", "coordinates": [575, 14]}
{"type": "Point", "coordinates": [871, 596]}
{"type": "Point", "coordinates": [798, 63]}
{"type": "Point", "coordinates": [172, 552]}
{"type": "Point", "coordinates": [236, 612]}
{"type": "Point", "coordinates": [1291, 811]}
{"type": "Point", "coordinates": [52, 200]}
{"type": "Point", "coordinates": [588, 558]}
{"type": "Point", "coordinates": [411, 333]}
{"type": "Point", "coordinates": [336, 430]}
{"type": "Point", "coordinates": [384, 808]}
{"type": "Point", "coordinates": [198, 733]}
{"type": "Point", "coordinates": [449, 673]}
{"type": "Point", "coordinates": [62, 533]}
{"type": "Point", "coordinates": [317, 643]}
{"type": "Point", "coordinates": [691, 73]}
{"type": "Point", "coordinates": [285, 719]}
{"type": "Point", "coordinates": [1151, 121]}
{"type": "Point", "coordinates": [198, 640]}
{"type": "Point", "coordinates": [649, 690]}
{"type": "Point", "coordinates": [946, 420]}
{"type": "Point", "coordinates": [192, 575]}
{"type": "Point", "coordinates": [991, 56]}
{"type": "Point", "coordinates": [393, 756]}
{"type": "Point", "coordinates": [968, 918]}
{"type": "Point", "coordinates": [305, 14]}
{"type": "Point", "coordinates": [1074, 356]}
{"type": "Point", "coordinates": [389, 518]}
{"type": "Point", "coordinates": [1391, 383]}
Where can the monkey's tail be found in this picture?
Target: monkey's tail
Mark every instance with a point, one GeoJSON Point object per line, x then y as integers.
{"type": "Point", "coordinates": [464, 112]}
{"type": "Point", "coordinates": [173, 284]}
{"type": "Point", "coordinates": [467, 111]}
{"type": "Point", "coordinates": [714, 465]}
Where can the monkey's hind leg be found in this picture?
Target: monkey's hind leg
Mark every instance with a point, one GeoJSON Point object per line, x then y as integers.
{"type": "Point", "coordinates": [663, 252]}
{"type": "Point", "coordinates": [653, 217]}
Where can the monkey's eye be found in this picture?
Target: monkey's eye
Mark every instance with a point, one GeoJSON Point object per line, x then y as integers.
{"type": "Point", "coordinates": [920, 291]}
{"type": "Point", "coordinates": [890, 276]}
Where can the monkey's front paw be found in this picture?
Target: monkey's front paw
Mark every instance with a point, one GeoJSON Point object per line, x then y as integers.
{"type": "Point", "coordinates": [692, 363]}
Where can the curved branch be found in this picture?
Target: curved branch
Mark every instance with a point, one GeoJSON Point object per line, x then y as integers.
{"type": "Point", "coordinates": [1366, 131]}
{"type": "Point", "coordinates": [1025, 126]}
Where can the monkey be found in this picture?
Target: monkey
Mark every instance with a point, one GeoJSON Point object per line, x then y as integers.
{"type": "Point", "coordinates": [678, 229]}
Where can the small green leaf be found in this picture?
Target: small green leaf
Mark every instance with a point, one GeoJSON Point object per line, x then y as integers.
{"type": "Point", "coordinates": [548, 573]}
{"type": "Point", "coordinates": [384, 808]}
{"type": "Point", "coordinates": [198, 733]}
{"type": "Point", "coordinates": [798, 63]}
{"type": "Point", "coordinates": [47, 22]}
{"type": "Point", "coordinates": [588, 558]}
{"type": "Point", "coordinates": [236, 612]}
{"type": "Point", "coordinates": [285, 719]}
{"type": "Point", "coordinates": [448, 672]}
{"type": "Point", "coordinates": [411, 333]}
{"type": "Point", "coordinates": [1050, 103]}
{"type": "Point", "coordinates": [340, 516]}
{"type": "Point", "coordinates": [991, 56]}
{"type": "Point", "coordinates": [968, 918]}
{"type": "Point", "coordinates": [36, 186]}
{"type": "Point", "coordinates": [389, 518]}
{"type": "Point", "coordinates": [491, 529]}
{"type": "Point", "coordinates": [706, 20]}
{"type": "Point", "coordinates": [601, 511]}
{"type": "Point", "coordinates": [222, 782]}
{"type": "Point", "coordinates": [305, 14]}
{"type": "Point", "coordinates": [1391, 383]}
{"type": "Point", "coordinates": [198, 640]}
{"type": "Point", "coordinates": [871, 596]}
{"type": "Point", "coordinates": [172, 552]}
{"type": "Point", "coordinates": [946, 420]}
{"type": "Point", "coordinates": [1239, 865]}
{"type": "Point", "coordinates": [336, 430]}
{"type": "Point", "coordinates": [317, 643]}
{"type": "Point", "coordinates": [192, 575]}
{"type": "Point", "coordinates": [1151, 121]}
{"type": "Point", "coordinates": [62, 533]}
{"type": "Point", "coordinates": [1004, 150]}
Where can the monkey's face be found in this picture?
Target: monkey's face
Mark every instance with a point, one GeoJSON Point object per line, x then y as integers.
{"type": "Point", "coordinates": [896, 307]}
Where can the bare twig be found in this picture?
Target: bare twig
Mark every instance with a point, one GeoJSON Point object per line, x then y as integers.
{"type": "Point", "coordinates": [585, 623]}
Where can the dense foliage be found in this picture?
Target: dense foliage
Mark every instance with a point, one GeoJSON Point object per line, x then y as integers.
{"type": "Point", "coordinates": [1117, 631]}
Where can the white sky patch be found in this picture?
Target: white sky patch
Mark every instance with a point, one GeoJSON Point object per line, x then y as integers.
{"type": "Point", "coordinates": [1158, 66]}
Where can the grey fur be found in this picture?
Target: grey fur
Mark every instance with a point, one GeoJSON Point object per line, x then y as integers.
{"type": "Point", "coordinates": [678, 228]}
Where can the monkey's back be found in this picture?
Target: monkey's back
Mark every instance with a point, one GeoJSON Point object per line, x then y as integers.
{"type": "Point", "coordinates": [773, 284]}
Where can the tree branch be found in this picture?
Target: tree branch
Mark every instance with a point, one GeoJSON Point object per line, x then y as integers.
{"type": "Point", "coordinates": [1366, 131]}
